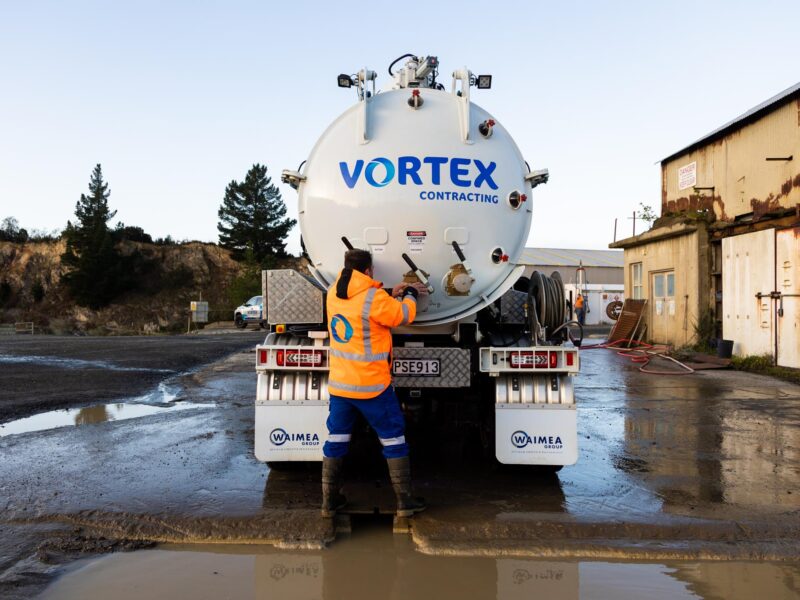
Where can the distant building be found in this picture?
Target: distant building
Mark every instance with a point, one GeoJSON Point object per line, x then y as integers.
{"type": "Point", "coordinates": [603, 280]}
{"type": "Point", "coordinates": [727, 246]}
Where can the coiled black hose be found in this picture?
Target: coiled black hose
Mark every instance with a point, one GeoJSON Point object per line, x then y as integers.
{"type": "Point", "coordinates": [547, 308]}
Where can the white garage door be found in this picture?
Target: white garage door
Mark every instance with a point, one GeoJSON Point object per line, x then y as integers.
{"type": "Point", "coordinates": [766, 263]}
{"type": "Point", "coordinates": [787, 275]}
{"type": "Point", "coordinates": [748, 268]}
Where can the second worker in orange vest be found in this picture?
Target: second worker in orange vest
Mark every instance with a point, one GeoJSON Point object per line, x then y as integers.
{"type": "Point", "coordinates": [360, 317]}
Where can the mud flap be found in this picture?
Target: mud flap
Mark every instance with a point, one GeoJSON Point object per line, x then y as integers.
{"type": "Point", "coordinates": [290, 431]}
{"type": "Point", "coordinates": [536, 434]}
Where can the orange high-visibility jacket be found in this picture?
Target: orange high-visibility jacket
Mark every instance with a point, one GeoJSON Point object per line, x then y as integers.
{"type": "Point", "coordinates": [579, 301]}
{"type": "Point", "coordinates": [360, 317]}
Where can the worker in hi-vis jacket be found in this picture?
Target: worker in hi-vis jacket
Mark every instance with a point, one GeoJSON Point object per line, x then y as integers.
{"type": "Point", "coordinates": [360, 317]}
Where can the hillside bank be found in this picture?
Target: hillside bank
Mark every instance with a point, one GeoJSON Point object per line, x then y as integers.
{"type": "Point", "coordinates": [175, 274]}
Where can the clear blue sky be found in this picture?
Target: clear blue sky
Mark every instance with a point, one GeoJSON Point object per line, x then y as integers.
{"type": "Point", "coordinates": [176, 99]}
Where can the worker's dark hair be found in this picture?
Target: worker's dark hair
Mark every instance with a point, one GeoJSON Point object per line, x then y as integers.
{"type": "Point", "coordinates": [358, 260]}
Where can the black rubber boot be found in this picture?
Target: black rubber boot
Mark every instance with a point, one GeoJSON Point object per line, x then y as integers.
{"type": "Point", "coordinates": [332, 498]}
{"type": "Point", "coordinates": [400, 473]}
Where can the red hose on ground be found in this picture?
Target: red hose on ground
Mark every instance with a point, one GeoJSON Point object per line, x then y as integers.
{"type": "Point", "coordinates": [643, 353]}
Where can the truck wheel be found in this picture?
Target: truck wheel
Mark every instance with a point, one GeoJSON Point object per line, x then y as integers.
{"type": "Point", "coordinates": [285, 466]}
{"type": "Point", "coordinates": [239, 321]}
{"type": "Point", "coordinates": [550, 469]}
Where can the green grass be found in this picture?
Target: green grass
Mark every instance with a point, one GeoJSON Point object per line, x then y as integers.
{"type": "Point", "coordinates": [763, 365]}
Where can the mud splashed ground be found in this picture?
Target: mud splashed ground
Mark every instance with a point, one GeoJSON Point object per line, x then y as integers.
{"type": "Point", "coordinates": [700, 467]}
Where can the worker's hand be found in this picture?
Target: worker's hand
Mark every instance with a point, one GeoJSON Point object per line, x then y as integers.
{"type": "Point", "coordinates": [423, 291]}
{"type": "Point", "coordinates": [398, 289]}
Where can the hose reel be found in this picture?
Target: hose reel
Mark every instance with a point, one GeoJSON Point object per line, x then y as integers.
{"type": "Point", "coordinates": [547, 310]}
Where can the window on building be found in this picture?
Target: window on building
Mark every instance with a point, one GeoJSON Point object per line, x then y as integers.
{"type": "Point", "coordinates": [664, 285]}
{"type": "Point", "coordinates": [658, 285]}
{"type": "Point", "coordinates": [636, 281]}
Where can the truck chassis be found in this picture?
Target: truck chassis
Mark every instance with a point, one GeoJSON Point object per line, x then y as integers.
{"type": "Point", "coordinates": [531, 413]}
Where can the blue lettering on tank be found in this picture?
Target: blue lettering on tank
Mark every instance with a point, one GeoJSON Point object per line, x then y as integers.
{"type": "Point", "coordinates": [408, 166]}
{"type": "Point", "coordinates": [463, 172]}
{"type": "Point", "coordinates": [369, 174]}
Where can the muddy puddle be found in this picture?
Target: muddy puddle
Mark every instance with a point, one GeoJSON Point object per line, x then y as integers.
{"type": "Point", "coordinates": [374, 563]}
{"type": "Point", "coordinates": [161, 400]}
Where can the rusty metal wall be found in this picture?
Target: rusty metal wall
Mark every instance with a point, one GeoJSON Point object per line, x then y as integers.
{"type": "Point", "coordinates": [748, 268]}
{"type": "Point", "coordinates": [787, 275]}
{"type": "Point", "coordinates": [736, 167]}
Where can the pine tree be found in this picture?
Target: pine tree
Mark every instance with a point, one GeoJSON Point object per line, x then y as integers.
{"type": "Point", "coordinates": [253, 215]}
{"type": "Point", "coordinates": [95, 265]}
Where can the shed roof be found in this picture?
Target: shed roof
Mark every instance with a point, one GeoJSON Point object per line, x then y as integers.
{"type": "Point", "coordinates": [746, 118]}
{"type": "Point", "coordinates": [563, 257]}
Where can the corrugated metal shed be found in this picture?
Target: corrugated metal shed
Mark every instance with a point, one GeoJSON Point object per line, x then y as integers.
{"type": "Point", "coordinates": [748, 117]}
{"type": "Point", "coordinates": [562, 257]}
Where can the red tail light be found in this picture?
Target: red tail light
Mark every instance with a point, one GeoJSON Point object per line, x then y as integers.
{"type": "Point", "coordinates": [570, 359]}
{"type": "Point", "coordinates": [541, 359]}
{"type": "Point", "coordinates": [279, 358]}
{"type": "Point", "coordinates": [521, 360]}
{"type": "Point", "coordinates": [305, 358]}
{"type": "Point", "coordinates": [262, 357]}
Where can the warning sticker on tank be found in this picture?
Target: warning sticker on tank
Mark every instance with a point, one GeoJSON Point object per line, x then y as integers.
{"type": "Point", "coordinates": [416, 240]}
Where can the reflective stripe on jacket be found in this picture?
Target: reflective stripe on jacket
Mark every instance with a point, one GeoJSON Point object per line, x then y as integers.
{"type": "Point", "coordinates": [360, 317]}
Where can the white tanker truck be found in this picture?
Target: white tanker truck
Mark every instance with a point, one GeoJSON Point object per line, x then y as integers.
{"type": "Point", "coordinates": [436, 189]}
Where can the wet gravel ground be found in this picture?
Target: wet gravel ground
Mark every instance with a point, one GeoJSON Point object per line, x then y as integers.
{"type": "Point", "coordinates": [671, 467]}
{"type": "Point", "coordinates": [46, 372]}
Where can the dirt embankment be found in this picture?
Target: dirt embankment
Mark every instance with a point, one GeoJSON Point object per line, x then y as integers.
{"type": "Point", "coordinates": [31, 288]}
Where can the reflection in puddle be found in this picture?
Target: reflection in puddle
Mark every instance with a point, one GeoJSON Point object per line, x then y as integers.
{"type": "Point", "coordinates": [160, 400]}
{"type": "Point", "coordinates": [73, 363]}
{"type": "Point", "coordinates": [99, 413]}
{"type": "Point", "coordinates": [715, 453]}
{"type": "Point", "coordinates": [375, 564]}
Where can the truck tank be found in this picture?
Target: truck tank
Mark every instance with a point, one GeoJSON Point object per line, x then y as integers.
{"type": "Point", "coordinates": [436, 189]}
{"type": "Point", "coordinates": [410, 171]}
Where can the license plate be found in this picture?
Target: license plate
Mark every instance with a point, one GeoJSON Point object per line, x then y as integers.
{"type": "Point", "coordinates": [417, 367]}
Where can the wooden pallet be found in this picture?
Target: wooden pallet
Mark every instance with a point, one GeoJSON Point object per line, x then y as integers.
{"type": "Point", "coordinates": [629, 322]}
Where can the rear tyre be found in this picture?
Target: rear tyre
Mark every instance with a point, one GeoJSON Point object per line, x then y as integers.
{"type": "Point", "coordinates": [549, 469]}
{"type": "Point", "coordinates": [239, 321]}
{"type": "Point", "coordinates": [288, 466]}
{"type": "Point", "coordinates": [540, 470]}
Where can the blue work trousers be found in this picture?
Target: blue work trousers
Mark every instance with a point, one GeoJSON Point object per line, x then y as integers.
{"type": "Point", "coordinates": [381, 412]}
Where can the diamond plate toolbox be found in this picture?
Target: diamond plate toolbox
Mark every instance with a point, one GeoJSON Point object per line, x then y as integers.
{"type": "Point", "coordinates": [292, 298]}
{"type": "Point", "coordinates": [512, 307]}
{"type": "Point", "coordinates": [454, 368]}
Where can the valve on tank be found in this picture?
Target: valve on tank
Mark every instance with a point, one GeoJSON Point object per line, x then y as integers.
{"type": "Point", "coordinates": [486, 128]}
{"type": "Point", "coordinates": [515, 199]}
{"type": "Point", "coordinates": [459, 279]}
{"type": "Point", "coordinates": [416, 100]}
{"type": "Point", "coordinates": [417, 275]}
{"type": "Point", "coordinates": [423, 302]}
